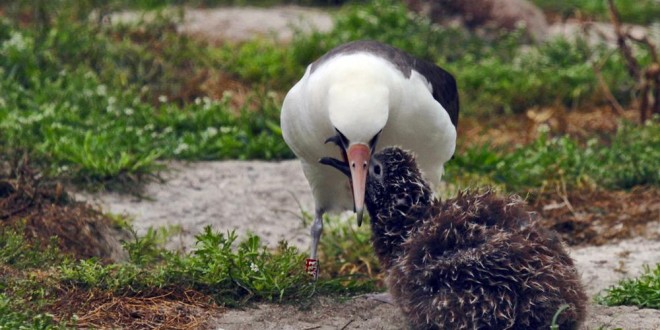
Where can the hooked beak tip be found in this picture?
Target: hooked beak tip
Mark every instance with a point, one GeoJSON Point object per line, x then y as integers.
{"type": "Point", "coordinates": [359, 214]}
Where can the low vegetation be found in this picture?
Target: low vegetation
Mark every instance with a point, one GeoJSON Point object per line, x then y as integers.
{"type": "Point", "coordinates": [220, 271]}
{"type": "Point", "coordinates": [90, 116]}
{"type": "Point", "coordinates": [643, 291]}
{"type": "Point", "coordinates": [99, 104]}
{"type": "Point", "coordinates": [625, 161]}
{"type": "Point", "coordinates": [496, 75]}
{"type": "Point", "coordinates": [130, 95]}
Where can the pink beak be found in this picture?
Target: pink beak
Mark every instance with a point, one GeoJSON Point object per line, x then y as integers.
{"type": "Point", "coordinates": [358, 161]}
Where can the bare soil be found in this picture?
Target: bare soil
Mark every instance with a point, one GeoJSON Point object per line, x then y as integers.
{"type": "Point", "coordinates": [523, 128]}
{"type": "Point", "coordinates": [246, 196]}
{"type": "Point", "coordinates": [362, 313]}
{"type": "Point", "coordinates": [267, 198]}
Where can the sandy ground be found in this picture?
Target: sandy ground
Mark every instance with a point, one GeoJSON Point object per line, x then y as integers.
{"type": "Point", "coordinates": [361, 313]}
{"type": "Point", "coordinates": [267, 198]}
{"type": "Point", "coordinates": [261, 197]}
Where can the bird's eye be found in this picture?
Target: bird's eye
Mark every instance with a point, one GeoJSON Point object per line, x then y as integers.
{"type": "Point", "coordinates": [376, 170]}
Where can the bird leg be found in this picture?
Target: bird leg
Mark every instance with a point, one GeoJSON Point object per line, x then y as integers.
{"type": "Point", "coordinates": [312, 264]}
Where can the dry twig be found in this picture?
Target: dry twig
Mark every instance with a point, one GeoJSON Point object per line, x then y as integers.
{"type": "Point", "coordinates": [648, 79]}
{"type": "Point", "coordinates": [167, 309]}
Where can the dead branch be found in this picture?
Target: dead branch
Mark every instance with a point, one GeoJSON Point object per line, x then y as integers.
{"type": "Point", "coordinates": [647, 79]}
{"type": "Point", "coordinates": [645, 41]}
{"type": "Point", "coordinates": [631, 62]}
{"type": "Point", "coordinates": [654, 71]}
{"type": "Point", "coordinates": [616, 106]}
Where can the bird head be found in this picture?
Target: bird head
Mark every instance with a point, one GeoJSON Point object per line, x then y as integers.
{"type": "Point", "coordinates": [355, 165]}
{"type": "Point", "coordinates": [358, 111]}
{"type": "Point", "coordinates": [394, 184]}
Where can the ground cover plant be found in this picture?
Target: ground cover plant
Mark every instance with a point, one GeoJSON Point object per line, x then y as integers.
{"type": "Point", "coordinates": [215, 274]}
{"type": "Point", "coordinates": [106, 111]}
{"type": "Point", "coordinates": [87, 102]}
{"type": "Point", "coordinates": [626, 161]}
{"type": "Point", "coordinates": [51, 286]}
{"type": "Point", "coordinates": [126, 97]}
{"type": "Point", "coordinates": [643, 291]}
{"type": "Point", "coordinates": [495, 75]}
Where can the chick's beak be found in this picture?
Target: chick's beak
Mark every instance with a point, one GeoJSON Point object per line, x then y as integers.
{"type": "Point", "coordinates": [358, 161]}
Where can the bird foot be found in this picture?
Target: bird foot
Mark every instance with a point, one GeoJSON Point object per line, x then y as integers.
{"type": "Point", "coordinates": [312, 268]}
{"type": "Point", "coordinates": [383, 297]}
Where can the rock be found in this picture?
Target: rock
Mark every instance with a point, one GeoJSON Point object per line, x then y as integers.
{"type": "Point", "coordinates": [491, 14]}
{"type": "Point", "coordinates": [239, 23]}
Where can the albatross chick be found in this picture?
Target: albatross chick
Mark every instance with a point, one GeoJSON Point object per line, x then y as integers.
{"type": "Point", "coordinates": [477, 261]}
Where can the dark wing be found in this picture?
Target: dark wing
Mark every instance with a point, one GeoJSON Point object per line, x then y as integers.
{"type": "Point", "coordinates": [444, 86]}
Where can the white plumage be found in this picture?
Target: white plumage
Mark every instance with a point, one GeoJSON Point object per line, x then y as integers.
{"type": "Point", "coordinates": [367, 96]}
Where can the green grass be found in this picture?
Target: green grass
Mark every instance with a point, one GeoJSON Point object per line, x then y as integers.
{"type": "Point", "coordinates": [554, 325]}
{"type": "Point", "coordinates": [494, 75]}
{"type": "Point", "coordinates": [101, 104]}
{"type": "Point", "coordinates": [11, 318]}
{"type": "Point", "coordinates": [263, 60]}
{"type": "Point", "coordinates": [22, 296]}
{"type": "Point", "coordinates": [20, 253]}
{"type": "Point", "coordinates": [233, 276]}
{"type": "Point", "coordinates": [643, 291]}
{"type": "Point", "coordinates": [233, 273]}
{"type": "Point", "coordinates": [556, 73]}
{"type": "Point", "coordinates": [629, 159]}
{"type": "Point", "coordinates": [103, 112]}
{"type": "Point", "coordinates": [345, 250]}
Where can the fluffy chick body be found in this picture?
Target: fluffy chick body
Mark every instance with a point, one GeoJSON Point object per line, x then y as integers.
{"type": "Point", "coordinates": [477, 261]}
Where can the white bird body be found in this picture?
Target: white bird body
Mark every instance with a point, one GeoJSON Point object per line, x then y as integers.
{"type": "Point", "coordinates": [363, 94]}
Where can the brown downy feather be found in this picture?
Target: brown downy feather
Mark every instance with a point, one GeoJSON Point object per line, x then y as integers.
{"type": "Point", "coordinates": [477, 261]}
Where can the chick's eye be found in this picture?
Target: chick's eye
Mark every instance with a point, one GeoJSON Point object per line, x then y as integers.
{"type": "Point", "coordinates": [376, 170]}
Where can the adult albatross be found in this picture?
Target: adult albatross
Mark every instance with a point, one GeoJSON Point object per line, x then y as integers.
{"type": "Point", "coordinates": [364, 96]}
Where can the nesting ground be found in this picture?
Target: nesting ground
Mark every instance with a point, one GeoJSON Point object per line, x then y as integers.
{"type": "Point", "coordinates": [264, 197]}
{"type": "Point", "coordinates": [267, 198]}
